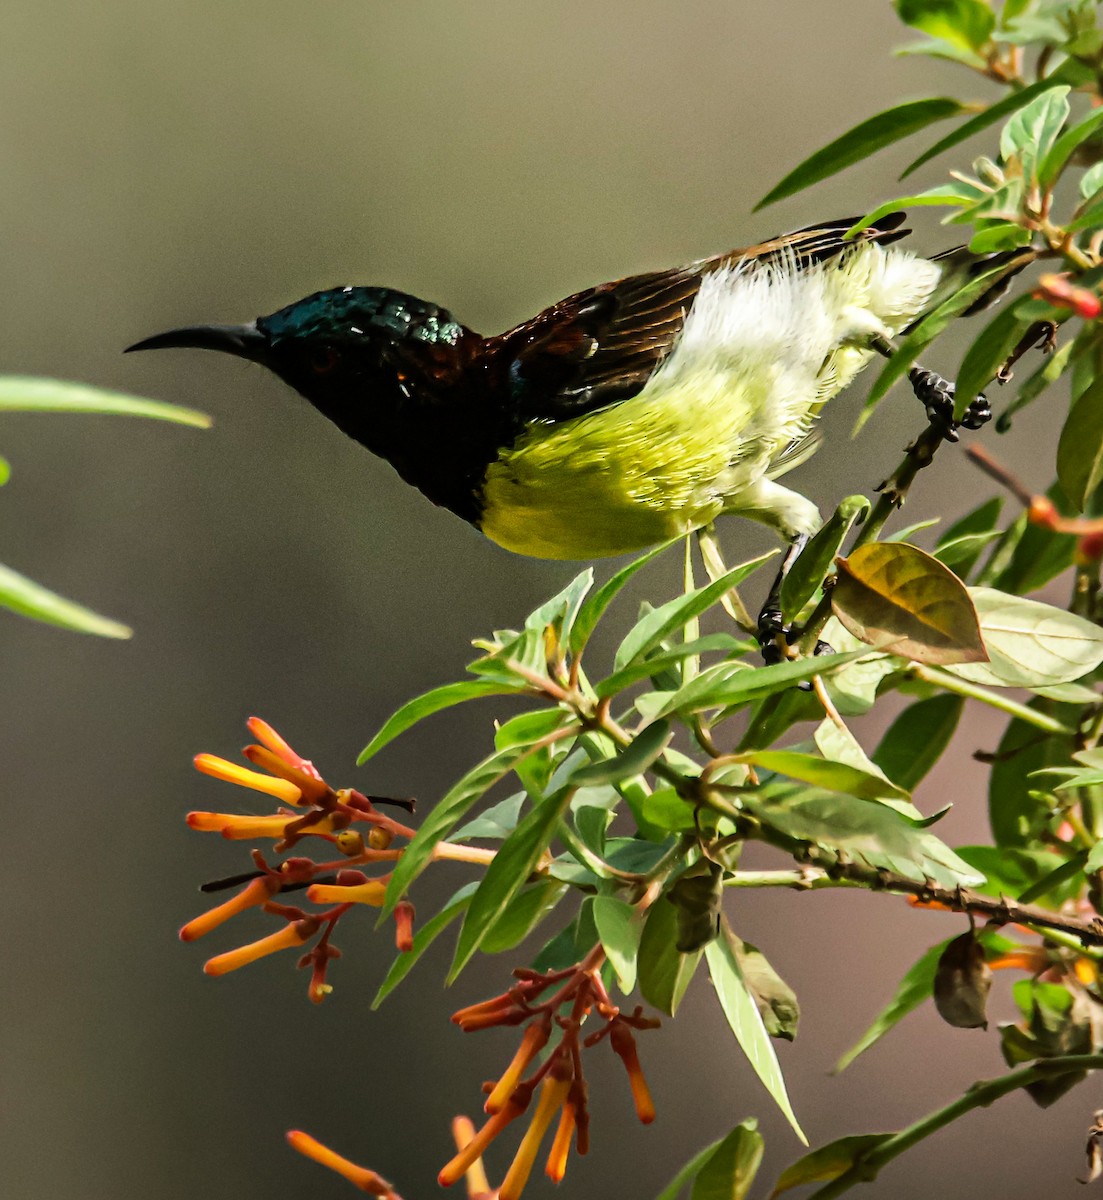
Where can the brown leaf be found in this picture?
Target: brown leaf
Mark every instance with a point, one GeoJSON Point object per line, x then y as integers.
{"type": "Point", "coordinates": [898, 598]}
{"type": "Point", "coordinates": [961, 983]}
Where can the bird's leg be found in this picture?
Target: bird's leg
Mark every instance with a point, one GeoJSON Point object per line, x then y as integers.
{"type": "Point", "coordinates": [937, 395]}
{"type": "Point", "coordinates": [771, 629]}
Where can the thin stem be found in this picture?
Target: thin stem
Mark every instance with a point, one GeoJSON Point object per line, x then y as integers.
{"type": "Point", "coordinates": [980, 1095]}
{"type": "Point", "coordinates": [973, 691]}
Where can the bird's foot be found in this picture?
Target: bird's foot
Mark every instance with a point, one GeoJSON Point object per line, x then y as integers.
{"type": "Point", "coordinates": [775, 638]}
{"type": "Point", "coordinates": [937, 395]}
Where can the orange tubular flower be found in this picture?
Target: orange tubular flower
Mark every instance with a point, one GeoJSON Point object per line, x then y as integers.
{"type": "Point", "coordinates": [553, 1093]}
{"type": "Point", "coordinates": [314, 790]}
{"type": "Point", "coordinates": [404, 926]}
{"type": "Point", "coordinates": [259, 891]}
{"type": "Point", "coordinates": [1034, 959]}
{"type": "Point", "coordinates": [535, 1039]}
{"type": "Point", "coordinates": [462, 1162]}
{"type": "Point", "coordinates": [371, 891]}
{"type": "Point", "coordinates": [474, 1178]}
{"type": "Point", "coordinates": [557, 1159]}
{"type": "Point", "coordinates": [238, 828]}
{"type": "Point", "coordinates": [292, 934]}
{"type": "Point", "coordinates": [220, 768]}
{"type": "Point", "coordinates": [624, 1045]}
{"type": "Point", "coordinates": [360, 1177]}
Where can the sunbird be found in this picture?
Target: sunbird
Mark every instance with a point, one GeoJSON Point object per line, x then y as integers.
{"type": "Point", "coordinates": [624, 415]}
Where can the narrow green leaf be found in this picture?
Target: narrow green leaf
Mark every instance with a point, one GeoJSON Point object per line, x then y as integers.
{"type": "Point", "coordinates": [498, 821]}
{"type": "Point", "coordinates": [633, 760]}
{"type": "Point", "coordinates": [916, 986]}
{"type": "Point", "coordinates": [1017, 816]}
{"type": "Point", "coordinates": [24, 393]}
{"type": "Point", "coordinates": [746, 1023]}
{"type": "Point", "coordinates": [30, 599]}
{"type": "Point", "coordinates": [914, 742]}
{"type": "Point", "coordinates": [728, 684]}
{"type": "Point", "coordinates": [776, 1000]}
{"type": "Point", "coordinates": [432, 702]}
{"type": "Point", "coordinates": [1080, 449]}
{"type": "Point", "coordinates": [1057, 158]}
{"type": "Point", "coordinates": [674, 1188]}
{"type": "Point", "coordinates": [987, 354]}
{"type": "Point", "coordinates": [423, 939]}
{"type": "Point", "coordinates": [661, 622]}
{"type": "Point", "coordinates": [507, 874]}
{"type": "Point", "coordinates": [895, 593]}
{"type": "Point", "coordinates": [619, 926]}
{"type": "Point", "coordinates": [593, 607]}
{"type": "Point", "coordinates": [1036, 554]}
{"type": "Point", "coordinates": [999, 235]}
{"type": "Point", "coordinates": [730, 1169]}
{"type": "Point", "coordinates": [1091, 218]}
{"type": "Point", "coordinates": [995, 112]}
{"type": "Point", "coordinates": [1092, 179]}
{"type": "Point", "coordinates": [1052, 367]}
{"type": "Point", "coordinates": [817, 559]}
{"type": "Point", "coordinates": [863, 140]}
{"type": "Point", "coordinates": [828, 1162]}
{"type": "Point", "coordinates": [664, 970]}
{"type": "Point", "coordinates": [1030, 644]}
{"type": "Point", "coordinates": [5, 471]}
{"type": "Point", "coordinates": [833, 776]}
{"type": "Point", "coordinates": [950, 195]}
{"type": "Point", "coordinates": [527, 909]}
{"type": "Point", "coordinates": [449, 810]}
{"type": "Point", "coordinates": [665, 659]}
{"type": "Point", "coordinates": [1019, 871]}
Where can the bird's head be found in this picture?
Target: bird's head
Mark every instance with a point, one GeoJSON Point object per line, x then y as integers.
{"type": "Point", "coordinates": [357, 354]}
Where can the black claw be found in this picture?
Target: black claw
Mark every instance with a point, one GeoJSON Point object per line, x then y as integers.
{"type": "Point", "coordinates": [978, 414]}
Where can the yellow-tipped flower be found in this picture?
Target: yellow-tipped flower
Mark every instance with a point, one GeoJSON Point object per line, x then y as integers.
{"type": "Point", "coordinates": [238, 828]}
{"type": "Point", "coordinates": [474, 1178]}
{"type": "Point", "coordinates": [371, 891]}
{"type": "Point", "coordinates": [220, 768]}
{"type": "Point", "coordinates": [534, 1040]}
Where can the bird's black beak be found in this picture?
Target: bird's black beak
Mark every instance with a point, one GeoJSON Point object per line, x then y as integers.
{"type": "Point", "coordinates": [244, 341]}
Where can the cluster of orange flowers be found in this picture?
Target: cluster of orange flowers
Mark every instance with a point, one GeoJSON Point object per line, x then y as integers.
{"type": "Point", "coordinates": [320, 811]}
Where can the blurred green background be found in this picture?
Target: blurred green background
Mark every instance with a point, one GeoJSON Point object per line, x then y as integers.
{"type": "Point", "coordinates": [164, 164]}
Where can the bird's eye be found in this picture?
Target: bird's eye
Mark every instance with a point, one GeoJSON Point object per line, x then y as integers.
{"type": "Point", "coordinates": [324, 359]}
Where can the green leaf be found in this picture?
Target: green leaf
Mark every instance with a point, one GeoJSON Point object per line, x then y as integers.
{"type": "Point", "coordinates": [874, 834]}
{"type": "Point", "coordinates": [914, 742]}
{"type": "Point", "coordinates": [980, 523]}
{"type": "Point", "coordinates": [730, 1169]}
{"type": "Point", "coordinates": [776, 1000]}
{"type": "Point", "coordinates": [894, 595]}
{"type": "Point", "coordinates": [5, 471]}
{"type": "Point", "coordinates": [987, 354]}
{"type": "Point", "coordinates": [1092, 179]}
{"type": "Point", "coordinates": [515, 861]}
{"type": "Point", "coordinates": [995, 112]}
{"type": "Point", "coordinates": [498, 821]}
{"type": "Point", "coordinates": [619, 926]}
{"type": "Point", "coordinates": [30, 599]}
{"type": "Point", "coordinates": [999, 235]}
{"type": "Point", "coordinates": [664, 971]}
{"type": "Point", "coordinates": [746, 1022]}
{"type": "Point", "coordinates": [665, 659]}
{"type": "Point", "coordinates": [432, 702]}
{"type": "Point", "coordinates": [1080, 449]}
{"type": "Point", "coordinates": [1031, 133]}
{"type": "Point", "coordinates": [1030, 644]}
{"type": "Point", "coordinates": [24, 393]}
{"type": "Point", "coordinates": [659, 623]}
{"type": "Point", "coordinates": [423, 939]}
{"type": "Point", "coordinates": [951, 195]}
{"type": "Point", "coordinates": [816, 560]}
{"type": "Point", "coordinates": [593, 607]}
{"type": "Point", "coordinates": [674, 1188]}
{"type": "Point", "coordinates": [828, 1162]}
{"type": "Point", "coordinates": [1091, 218]}
{"type": "Point", "coordinates": [449, 810]}
{"type": "Point", "coordinates": [1036, 555]}
{"type": "Point", "coordinates": [728, 684]}
{"type": "Point", "coordinates": [1063, 149]}
{"type": "Point", "coordinates": [1052, 368]}
{"type": "Point", "coordinates": [528, 908]}
{"type": "Point", "coordinates": [1015, 871]}
{"type": "Point", "coordinates": [863, 140]}
{"type": "Point", "coordinates": [1018, 816]}
{"type": "Point", "coordinates": [833, 776]}
{"type": "Point", "coordinates": [633, 760]}
{"type": "Point", "coordinates": [967, 24]}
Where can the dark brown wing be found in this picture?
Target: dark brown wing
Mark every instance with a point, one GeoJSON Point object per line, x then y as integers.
{"type": "Point", "coordinates": [601, 346]}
